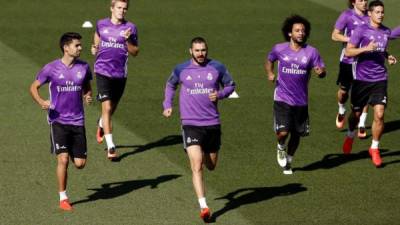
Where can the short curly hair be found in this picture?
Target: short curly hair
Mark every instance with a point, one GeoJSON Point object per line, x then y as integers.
{"type": "Point", "coordinates": [288, 26]}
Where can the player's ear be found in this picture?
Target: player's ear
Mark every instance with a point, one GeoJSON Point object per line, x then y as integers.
{"type": "Point", "coordinates": [190, 51]}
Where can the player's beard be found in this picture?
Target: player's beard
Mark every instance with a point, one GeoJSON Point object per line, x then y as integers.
{"type": "Point", "coordinates": [199, 62]}
{"type": "Point", "coordinates": [300, 42]}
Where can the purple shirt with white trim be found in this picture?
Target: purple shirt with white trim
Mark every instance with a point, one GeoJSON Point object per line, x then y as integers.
{"type": "Point", "coordinates": [112, 55]}
{"type": "Point", "coordinates": [66, 90]}
{"type": "Point", "coordinates": [197, 82]}
{"type": "Point", "coordinates": [294, 69]}
{"type": "Point", "coordinates": [346, 23]}
{"type": "Point", "coordinates": [370, 66]}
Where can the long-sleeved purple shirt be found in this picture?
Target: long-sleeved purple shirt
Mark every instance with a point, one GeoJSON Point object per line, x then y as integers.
{"type": "Point", "coordinates": [197, 82]}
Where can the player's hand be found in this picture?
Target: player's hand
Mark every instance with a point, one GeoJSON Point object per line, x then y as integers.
{"type": "Point", "coordinates": [45, 105]}
{"type": "Point", "coordinates": [94, 49]}
{"type": "Point", "coordinates": [213, 96]}
{"type": "Point", "coordinates": [392, 60]}
{"type": "Point", "coordinates": [320, 71]}
{"type": "Point", "coordinates": [372, 46]}
{"type": "Point", "coordinates": [127, 33]}
{"type": "Point", "coordinates": [88, 99]}
{"type": "Point", "coordinates": [271, 77]}
{"type": "Point", "coordinates": [167, 112]}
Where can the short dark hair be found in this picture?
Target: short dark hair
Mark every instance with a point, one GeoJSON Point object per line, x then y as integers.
{"type": "Point", "coordinates": [350, 3]}
{"type": "Point", "coordinates": [288, 26]}
{"type": "Point", "coordinates": [374, 4]}
{"type": "Point", "coordinates": [197, 40]}
{"type": "Point", "coordinates": [67, 39]}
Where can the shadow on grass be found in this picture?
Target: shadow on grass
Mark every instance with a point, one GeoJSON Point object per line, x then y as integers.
{"type": "Point", "coordinates": [165, 141]}
{"type": "Point", "coordinates": [116, 189]}
{"type": "Point", "coordinates": [246, 196]}
{"type": "Point", "coordinates": [334, 160]}
{"type": "Point", "coordinates": [389, 127]}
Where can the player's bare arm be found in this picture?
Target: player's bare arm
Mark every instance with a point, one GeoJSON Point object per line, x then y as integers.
{"type": "Point", "coordinates": [269, 69]}
{"type": "Point", "coordinates": [87, 93]}
{"type": "Point", "coordinates": [95, 45]}
{"type": "Point", "coordinates": [337, 35]}
{"type": "Point", "coordinates": [352, 50]}
{"type": "Point", "coordinates": [34, 90]}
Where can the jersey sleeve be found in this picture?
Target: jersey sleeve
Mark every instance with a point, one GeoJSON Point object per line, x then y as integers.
{"type": "Point", "coordinates": [170, 88]}
{"type": "Point", "coordinates": [89, 75]}
{"type": "Point", "coordinates": [355, 38]}
{"type": "Point", "coordinates": [341, 21]}
{"type": "Point", "coordinates": [273, 54]}
{"type": "Point", "coordinates": [44, 75]}
{"type": "Point", "coordinates": [317, 60]}
{"type": "Point", "coordinates": [133, 39]}
{"type": "Point", "coordinates": [395, 33]}
{"type": "Point", "coordinates": [226, 82]}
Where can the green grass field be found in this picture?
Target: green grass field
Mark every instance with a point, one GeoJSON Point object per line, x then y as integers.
{"type": "Point", "coordinates": [151, 184]}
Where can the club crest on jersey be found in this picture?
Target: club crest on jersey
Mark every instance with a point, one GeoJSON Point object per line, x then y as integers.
{"type": "Point", "coordinates": [61, 76]}
{"type": "Point", "coordinates": [209, 76]}
{"type": "Point", "coordinates": [304, 59]}
{"type": "Point", "coordinates": [122, 33]}
{"type": "Point", "coordinates": [79, 75]}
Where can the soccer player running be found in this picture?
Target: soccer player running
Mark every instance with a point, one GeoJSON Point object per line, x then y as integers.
{"type": "Point", "coordinates": [368, 43]}
{"type": "Point", "coordinates": [295, 59]}
{"type": "Point", "coordinates": [348, 20]}
{"type": "Point", "coordinates": [69, 83]}
{"type": "Point", "coordinates": [114, 39]}
{"type": "Point", "coordinates": [201, 80]}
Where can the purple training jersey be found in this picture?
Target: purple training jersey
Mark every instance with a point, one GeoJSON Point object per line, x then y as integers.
{"type": "Point", "coordinates": [197, 82]}
{"type": "Point", "coordinates": [294, 69]}
{"type": "Point", "coordinates": [346, 23]}
{"type": "Point", "coordinates": [112, 55]}
{"type": "Point", "coordinates": [370, 66]}
{"type": "Point", "coordinates": [66, 87]}
{"type": "Point", "coordinates": [395, 33]}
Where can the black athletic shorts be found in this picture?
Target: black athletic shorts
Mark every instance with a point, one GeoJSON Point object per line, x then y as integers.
{"type": "Point", "coordinates": [345, 77]}
{"type": "Point", "coordinates": [291, 118]}
{"type": "Point", "coordinates": [208, 137]}
{"type": "Point", "coordinates": [109, 88]}
{"type": "Point", "coordinates": [372, 93]}
{"type": "Point", "coordinates": [68, 138]}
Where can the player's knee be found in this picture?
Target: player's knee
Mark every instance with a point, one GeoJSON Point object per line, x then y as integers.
{"type": "Point", "coordinates": [211, 166]}
{"type": "Point", "coordinates": [63, 160]}
{"type": "Point", "coordinates": [197, 168]}
{"type": "Point", "coordinates": [282, 134]}
{"type": "Point", "coordinates": [80, 164]}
